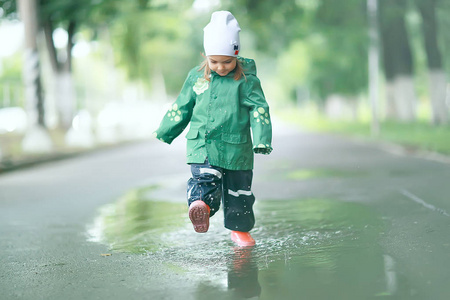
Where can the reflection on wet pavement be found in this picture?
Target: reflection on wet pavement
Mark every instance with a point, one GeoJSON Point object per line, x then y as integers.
{"type": "Point", "coordinates": [135, 225]}
{"type": "Point", "coordinates": [306, 249]}
{"type": "Point", "coordinates": [243, 273]}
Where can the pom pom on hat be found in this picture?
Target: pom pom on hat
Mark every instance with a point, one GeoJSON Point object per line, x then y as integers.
{"type": "Point", "coordinates": [221, 35]}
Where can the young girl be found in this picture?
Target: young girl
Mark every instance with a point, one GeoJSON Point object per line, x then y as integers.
{"type": "Point", "coordinates": [223, 101]}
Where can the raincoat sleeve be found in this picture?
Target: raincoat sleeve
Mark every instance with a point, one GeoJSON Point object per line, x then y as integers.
{"type": "Point", "coordinates": [179, 114]}
{"type": "Point", "coordinates": [260, 122]}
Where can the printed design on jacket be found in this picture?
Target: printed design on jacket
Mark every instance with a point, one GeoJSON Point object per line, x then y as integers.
{"type": "Point", "coordinates": [174, 113]}
{"type": "Point", "coordinates": [200, 86]}
{"type": "Point", "coordinates": [261, 116]}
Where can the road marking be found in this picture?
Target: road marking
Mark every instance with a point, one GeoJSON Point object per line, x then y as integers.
{"type": "Point", "coordinates": [423, 203]}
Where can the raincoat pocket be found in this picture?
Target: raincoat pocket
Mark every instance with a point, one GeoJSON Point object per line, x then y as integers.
{"type": "Point", "coordinates": [232, 138]}
{"type": "Point", "coordinates": [192, 134]}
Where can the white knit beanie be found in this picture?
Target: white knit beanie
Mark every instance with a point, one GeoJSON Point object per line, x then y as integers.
{"type": "Point", "coordinates": [221, 35]}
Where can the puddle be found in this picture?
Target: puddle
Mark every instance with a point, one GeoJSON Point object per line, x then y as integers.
{"type": "Point", "coordinates": [306, 248]}
{"type": "Point", "coordinates": [134, 224]}
{"type": "Point", "coordinates": [321, 249]}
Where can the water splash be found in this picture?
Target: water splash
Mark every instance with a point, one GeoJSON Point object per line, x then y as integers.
{"type": "Point", "coordinates": [301, 243]}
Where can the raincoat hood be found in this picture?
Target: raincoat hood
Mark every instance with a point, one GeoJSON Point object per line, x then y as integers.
{"type": "Point", "coordinates": [248, 65]}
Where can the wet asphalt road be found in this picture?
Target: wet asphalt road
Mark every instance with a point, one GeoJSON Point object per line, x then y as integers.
{"type": "Point", "coordinates": [336, 219]}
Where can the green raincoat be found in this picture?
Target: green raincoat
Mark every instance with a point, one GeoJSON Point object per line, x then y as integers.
{"type": "Point", "coordinates": [221, 113]}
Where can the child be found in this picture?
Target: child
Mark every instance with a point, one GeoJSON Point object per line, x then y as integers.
{"type": "Point", "coordinates": [222, 99]}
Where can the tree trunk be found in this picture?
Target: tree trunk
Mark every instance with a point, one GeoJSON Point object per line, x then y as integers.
{"type": "Point", "coordinates": [70, 33]}
{"type": "Point", "coordinates": [374, 64]}
{"type": "Point", "coordinates": [63, 87]}
{"type": "Point", "coordinates": [399, 93]}
{"type": "Point", "coordinates": [31, 72]}
{"type": "Point", "coordinates": [53, 56]}
{"type": "Point", "coordinates": [436, 73]}
{"type": "Point", "coordinates": [65, 98]}
{"type": "Point", "coordinates": [438, 95]}
{"type": "Point", "coordinates": [397, 61]}
{"type": "Point", "coordinates": [36, 139]}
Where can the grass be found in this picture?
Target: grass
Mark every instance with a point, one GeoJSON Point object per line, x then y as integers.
{"type": "Point", "coordinates": [420, 135]}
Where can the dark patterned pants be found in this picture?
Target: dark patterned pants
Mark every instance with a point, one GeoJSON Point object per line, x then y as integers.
{"type": "Point", "coordinates": [214, 185]}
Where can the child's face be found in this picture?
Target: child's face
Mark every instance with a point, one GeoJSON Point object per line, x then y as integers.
{"type": "Point", "coordinates": [222, 65]}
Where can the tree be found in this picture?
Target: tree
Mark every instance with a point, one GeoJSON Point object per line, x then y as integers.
{"type": "Point", "coordinates": [275, 23]}
{"type": "Point", "coordinates": [162, 40]}
{"type": "Point", "coordinates": [71, 16]}
{"type": "Point", "coordinates": [9, 8]}
{"type": "Point", "coordinates": [342, 66]}
{"type": "Point", "coordinates": [436, 72]}
{"type": "Point", "coordinates": [373, 55]}
{"type": "Point", "coordinates": [36, 139]}
{"type": "Point", "coordinates": [397, 61]}
{"type": "Point", "coordinates": [333, 32]}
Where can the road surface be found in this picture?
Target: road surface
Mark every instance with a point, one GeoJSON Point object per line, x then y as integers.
{"type": "Point", "coordinates": [336, 219]}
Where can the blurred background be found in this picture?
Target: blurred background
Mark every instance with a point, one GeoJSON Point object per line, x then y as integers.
{"type": "Point", "coordinates": [81, 74]}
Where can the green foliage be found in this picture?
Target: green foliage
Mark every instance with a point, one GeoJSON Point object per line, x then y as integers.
{"type": "Point", "coordinates": [339, 54]}
{"type": "Point", "coordinates": [164, 43]}
{"type": "Point", "coordinates": [12, 68]}
{"type": "Point", "coordinates": [315, 45]}
{"type": "Point", "coordinates": [275, 23]}
{"type": "Point", "coordinates": [86, 12]}
{"type": "Point", "coordinates": [8, 8]}
{"type": "Point", "coordinates": [62, 11]}
{"type": "Point", "coordinates": [292, 69]}
{"type": "Point", "coordinates": [321, 45]}
{"type": "Point", "coordinates": [11, 81]}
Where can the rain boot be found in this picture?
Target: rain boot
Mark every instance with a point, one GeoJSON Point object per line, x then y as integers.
{"type": "Point", "coordinates": [199, 215]}
{"type": "Point", "coordinates": [242, 239]}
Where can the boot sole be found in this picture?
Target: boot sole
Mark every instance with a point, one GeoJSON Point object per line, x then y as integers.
{"type": "Point", "coordinates": [199, 217]}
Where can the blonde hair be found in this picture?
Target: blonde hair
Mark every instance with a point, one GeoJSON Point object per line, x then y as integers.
{"type": "Point", "coordinates": [238, 70]}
